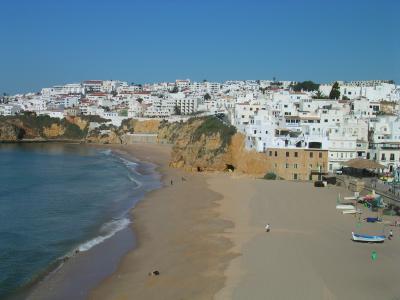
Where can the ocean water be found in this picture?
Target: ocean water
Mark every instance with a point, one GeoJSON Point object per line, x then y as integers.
{"type": "Point", "coordinates": [59, 198]}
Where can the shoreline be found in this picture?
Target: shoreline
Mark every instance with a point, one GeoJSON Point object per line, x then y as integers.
{"type": "Point", "coordinates": [51, 284]}
{"type": "Point", "coordinates": [175, 236]}
{"type": "Point", "coordinates": [204, 233]}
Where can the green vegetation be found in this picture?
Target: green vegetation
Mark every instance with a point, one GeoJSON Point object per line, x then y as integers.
{"type": "Point", "coordinates": [270, 176]}
{"type": "Point", "coordinates": [212, 126]}
{"type": "Point", "coordinates": [319, 95]}
{"type": "Point", "coordinates": [207, 96]}
{"type": "Point", "coordinates": [335, 92]}
{"type": "Point", "coordinates": [73, 131]}
{"type": "Point", "coordinates": [95, 119]}
{"type": "Point", "coordinates": [177, 110]}
{"type": "Point", "coordinates": [175, 89]}
{"type": "Point", "coordinates": [123, 113]}
{"type": "Point", "coordinates": [37, 124]}
{"type": "Point", "coordinates": [307, 85]}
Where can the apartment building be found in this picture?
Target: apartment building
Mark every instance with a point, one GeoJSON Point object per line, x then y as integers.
{"type": "Point", "coordinates": [298, 163]}
{"type": "Point", "coordinates": [9, 109]}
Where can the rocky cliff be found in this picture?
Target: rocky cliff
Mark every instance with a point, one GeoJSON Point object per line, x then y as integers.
{"type": "Point", "coordinates": [207, 144]}
{"type": "Point", "coordinates": [200, 144]}
{"type": "Point", "coordinates": [32, 127]}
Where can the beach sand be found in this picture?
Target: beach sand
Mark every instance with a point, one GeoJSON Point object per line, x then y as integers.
{"type": "Point", "coordinates": [309, 253]}
{"type": "Point", "coordinates": [178, 233]}
{"type": "Point", "coordinates": [205, 235]}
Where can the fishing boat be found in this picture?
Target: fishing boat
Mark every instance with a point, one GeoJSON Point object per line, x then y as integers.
{"type": "Point", "coordinates": [350, 198]}
{"type": "Point", "coordinates": [351, 211]}
{"type": "Point", "coordinates": [368, 238]}
{"type": "Point", "coordinates": [345, 206]}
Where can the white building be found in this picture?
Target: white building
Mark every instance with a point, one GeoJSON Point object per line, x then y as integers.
{"type": "Point", "coordinates": [9, 109]}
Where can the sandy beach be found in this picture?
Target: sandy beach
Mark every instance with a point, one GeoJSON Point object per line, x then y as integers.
{"type": "Point", "coordinates": [206, 237]}
{"type": "Point", "coordinates": [179, 233]}
{"type": "Point", "coordinates": [309, 253]}
{"type": "Point", "coordinates": [204, 233]}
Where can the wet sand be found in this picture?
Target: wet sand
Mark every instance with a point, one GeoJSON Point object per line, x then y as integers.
{"type": "Point", "coordinates": [178, 233]}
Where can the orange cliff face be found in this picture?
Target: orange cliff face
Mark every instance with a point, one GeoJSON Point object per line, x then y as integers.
{"type": "Point", "coordinates": [211, 151]}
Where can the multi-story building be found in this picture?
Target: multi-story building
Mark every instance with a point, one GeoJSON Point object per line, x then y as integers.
{"type": "Point", "coordinates": [298, 163]}
{"type": "Point", "coordinates": [9, 109]}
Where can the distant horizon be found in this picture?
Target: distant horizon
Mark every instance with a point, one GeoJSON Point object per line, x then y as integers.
{"type": "Point", "coordinates": [47, 43]}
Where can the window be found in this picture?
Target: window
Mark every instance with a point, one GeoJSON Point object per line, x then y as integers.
{"type": "Point", "coordinates": [276, 153]}
{"type": "Point", "coordinates": [287, 166]}
{"type": "Point", "coordinates": [383, 157]}
{"type": "Point", "coordinates": [311, 155]}
{"type": "Point", "coordinates": [295, 177]}
{"type": "Point", "coordinates": [392, 156]}
{"type": "Point", "coordinates": [287, 154]}
{"type": "Point", "coordinates": [320, 154]}
{"type": "Point", "coordinates": [270, 153]}
{"type": "Point", "coordinates": [295, 154]}
{"type": "Point", "coordinates": [255, 131]}
{"type": "Point", "coordinates": [295, 166]}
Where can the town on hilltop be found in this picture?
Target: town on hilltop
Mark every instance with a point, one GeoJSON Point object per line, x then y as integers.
{"type": "Point", "coordinates": [302, 126]}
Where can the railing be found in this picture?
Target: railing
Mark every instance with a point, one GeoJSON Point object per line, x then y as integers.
{"type": "Point", "coordinates": [390, 192]}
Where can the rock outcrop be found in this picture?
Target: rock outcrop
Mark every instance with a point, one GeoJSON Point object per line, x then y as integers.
{"type": "Point", "coordinates": [207, 144]}
{"type": "Point", "coordinates": [104, 137]}
{"type": "Point", "coordinates": [10, 132]}
{"type": "Point", "coordinates": [137, 126]}
{"type": "Point", "coordinates": [32, 127]}
{"type": "Point", "coordinates": [200, 144]}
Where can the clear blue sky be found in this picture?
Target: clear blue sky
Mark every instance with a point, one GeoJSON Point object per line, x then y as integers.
{"type": "Point", "coordinates": [48, 42]}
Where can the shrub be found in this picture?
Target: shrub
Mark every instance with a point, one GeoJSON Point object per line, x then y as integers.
{"type": "Point", "coordinates": [211, 126]}
{"type": "Point", "coordinates": [270, 176]}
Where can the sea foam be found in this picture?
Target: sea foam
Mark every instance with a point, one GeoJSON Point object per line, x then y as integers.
{"type": "Point", "coordinates": [106, 231]}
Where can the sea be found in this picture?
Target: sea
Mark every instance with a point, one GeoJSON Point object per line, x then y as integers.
{"type": "Point", "coordinates": [61, 200]}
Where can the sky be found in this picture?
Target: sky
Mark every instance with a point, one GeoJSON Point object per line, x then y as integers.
{"type": "Point", "coordinates": [50, 42]}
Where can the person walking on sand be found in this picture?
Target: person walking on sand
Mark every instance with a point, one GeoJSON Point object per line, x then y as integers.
{"type": "Point", "coordinates": [172, 183]}
{"type": "Point", "coordinates": [267, 228]}
{"type": "Point", "coordinates": [390, 234]}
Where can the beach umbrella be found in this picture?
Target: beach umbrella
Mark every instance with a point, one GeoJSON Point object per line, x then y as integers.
{"type": "Point", "coordinates": [374, 255]}
{"type": "Point", "coordinates": [361, 163]}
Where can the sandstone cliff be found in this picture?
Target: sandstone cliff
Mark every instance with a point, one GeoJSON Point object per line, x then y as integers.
{"type": "Point", "coordinates": [200, 144]}
{"type": "Point", "coordinates": [136, 126]}
{"type": "Point", "coordinates": [207, 144]}
{"type": "Point", "coordinates": [32, 127]}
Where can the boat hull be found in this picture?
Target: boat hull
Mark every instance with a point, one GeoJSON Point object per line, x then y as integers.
{"type": "Point", "coordinates": [368, 238]}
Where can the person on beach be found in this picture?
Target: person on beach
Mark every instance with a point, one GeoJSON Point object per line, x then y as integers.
{"type": "Point", "coordinates": [267, 228]}
{"type": "Point", "coordinates": [390, 234]}
{"type": "Point", "coordinates": [172, 183]}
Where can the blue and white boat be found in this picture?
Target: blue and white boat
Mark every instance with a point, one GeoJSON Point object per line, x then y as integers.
{"type": "Point", "coordinates": [368, 238]}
